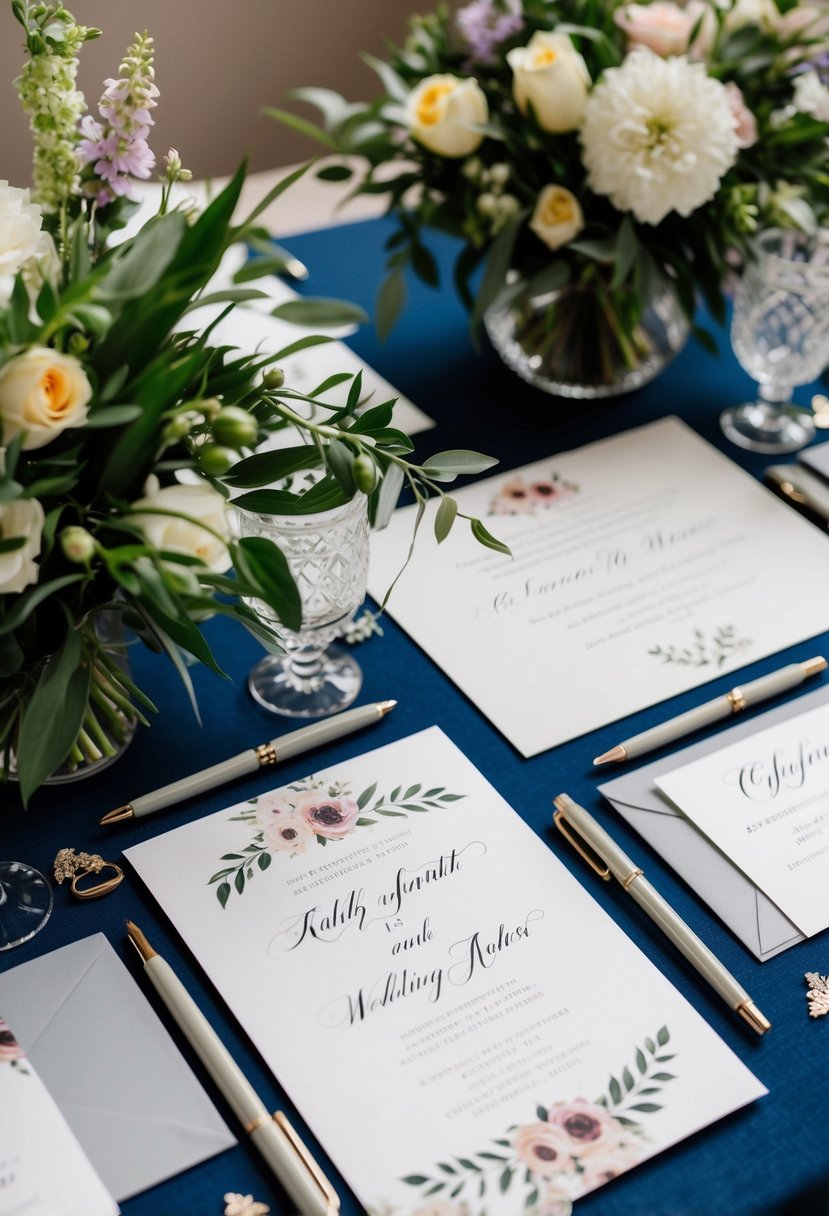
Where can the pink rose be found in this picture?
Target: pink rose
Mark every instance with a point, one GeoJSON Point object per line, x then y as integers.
{"type": "Point", "coordinates": [587, 1126]}
{"type": "Point", "coordinates": [287, 834]}
{"type": "Point", "coordinates": [745, 124]}
{"type": "Point", "coordinates": [331, 817]}
{"type": "Point", "coordinates": [269, 807]}
{"type": "Point", "coordinates": [665, 27]}
{"type": "Point", "coordinates": [10, 1049]}
{"type": "Point", "coordinates": [544, 1149]}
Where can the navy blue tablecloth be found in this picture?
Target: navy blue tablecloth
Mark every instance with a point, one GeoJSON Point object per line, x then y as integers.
{"type": "Point", "coordinates": [749, 1163]}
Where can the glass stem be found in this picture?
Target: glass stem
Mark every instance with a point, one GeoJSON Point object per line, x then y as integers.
{"type": "Point", "coordinates": [305, 664]}
{"type": "Point", "coordinates": [775, 393]}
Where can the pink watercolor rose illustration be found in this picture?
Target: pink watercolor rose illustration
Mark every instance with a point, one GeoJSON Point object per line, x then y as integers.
{"type": "Point", "coordinates": [10, 1049]}
{"type": "Point", "coordinates": [603, 1167]}
{"type": "Point", "coordinates": [269, 807]}
{"type": "Point", "coordinates": [287, 833]}
{"type": "Point", "coordinates": [587, 1126]}
{"type": "Point", "coordinates": [331, 817]}
{"type": "Point", "coordinates": [545, 1149]}
{"type": "Point", "coordinates": [513, 498]}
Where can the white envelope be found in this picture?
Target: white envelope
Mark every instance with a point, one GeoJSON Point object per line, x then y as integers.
{"type": "Point", "coordinates": [747, 910]}
{"type": "Point", "coordinates": [120, 1081]}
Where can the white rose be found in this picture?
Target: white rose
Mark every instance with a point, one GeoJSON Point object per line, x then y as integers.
{"type": "Point", "coordinates": [18, 568]}
{"type": "Point", "coordinates": [762, 13]}
{"type": "Point", "coordinates": [443, 111]}
{"type": "Point", "coordinates": [20, 235]}
{"type": "Point", "coordinates": [42, 392]}
{"type": "Point", "coordinates": [810, 96]}
{"type": "Point", "coordinates": [180, 535]}
{"type": "Point", "coordinates": [557, 217]}
{"type": "Point", "coordinates": [550, 75]}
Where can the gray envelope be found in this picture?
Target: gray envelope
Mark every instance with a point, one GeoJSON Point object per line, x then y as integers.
{"type": "Point", "coordinates": [746, 910]}
{"type": "Point", "coordinates": [119, 1079]}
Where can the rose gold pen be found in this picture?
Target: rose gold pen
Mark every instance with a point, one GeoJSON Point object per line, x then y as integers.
{"type": "Point", "coordinates": [273, 1135]}
{"type": "Point", "coordinates": [315, 734]}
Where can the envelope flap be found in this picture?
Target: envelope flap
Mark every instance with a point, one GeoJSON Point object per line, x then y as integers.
{"type": "Point", "coordinates": [33, 994]}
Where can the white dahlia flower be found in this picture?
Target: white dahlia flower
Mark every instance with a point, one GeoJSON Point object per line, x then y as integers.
{"type": "Point", "coordinates": [657, 136]}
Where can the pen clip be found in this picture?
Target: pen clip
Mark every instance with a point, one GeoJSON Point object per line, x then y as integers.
{"type": "Point", "coordinates": [573, 836]}
{"type": "Point", "coordinates": [327, 1191]}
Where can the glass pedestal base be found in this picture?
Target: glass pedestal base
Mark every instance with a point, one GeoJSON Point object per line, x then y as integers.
{"type": "Point", "coordinates": [25, 903]}
{"type": "Point", "coordinates": [275, 684]}
{"type": "Point", "coordinates": [762, 426]}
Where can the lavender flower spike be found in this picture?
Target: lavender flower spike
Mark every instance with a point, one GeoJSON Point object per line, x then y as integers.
{"type": "Point", "coordinates": [117, 148]}
{"type": "Point", "coordinates": [485, 24]}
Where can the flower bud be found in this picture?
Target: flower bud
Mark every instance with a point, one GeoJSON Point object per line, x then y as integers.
{"type": "Point", "coordinates": [274, 378]}
{"type": "Point", "coordinates": [234, 427]}
{"type": "Point", "coordinates": [77, 545]}
{"type": "Point", "coordinates": [177, 428]}
{"type": "Point", "coordinates": [214, 460]}
{"type": "Point", "coordinates": [487, 204]}
{"type": "Point", "coordinates": [499, 174]}
{"type": "Point", "coordinates": [364, 473]}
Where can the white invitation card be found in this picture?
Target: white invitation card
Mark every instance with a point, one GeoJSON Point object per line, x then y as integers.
{"type": "Point", "coordinates": [642, 566]}
{"type": "Point", "coordinates": [453, 1014]}
{"type": "Point", "coordinates": [43, 1169]}
{"type": "Point", "coordinates": [764, 801]}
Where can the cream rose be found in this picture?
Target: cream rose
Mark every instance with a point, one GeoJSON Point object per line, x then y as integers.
{"type": "Point", "coordinates": [762, 13]}
{"type": "Point", "coordinates": [18, 568]}
{"type": "Point", "coordinates": [550, 75]}
{"type": "Point", "coordinates": [288, 834]}
{"type": "Point", "coordinates": [544, 1149]}
{"type": "Point", "coordinates": [181, 535]}
{"type": "Point", "coordinates": [20, 235]}
{"type": "Point", "coordinates": [443, 112]}
{"type": "Point", "coordinates": [42, 392]}
{"type": "Point", "coordinates": [666, 27]}
{"type": "Point", "coordinates": [557, 217]}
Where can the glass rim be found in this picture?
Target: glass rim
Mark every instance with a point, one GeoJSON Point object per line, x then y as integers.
{"type": "Point", "coordinates": [818, 238]}
{"type": "Point", "coordinates": [308, 519]}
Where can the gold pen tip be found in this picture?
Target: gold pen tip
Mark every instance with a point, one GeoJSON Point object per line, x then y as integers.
{"type": "Point", "coordinates": [812, 667]}
{"type": "Point", "coordinates": [385, 707]}
{"type": "Point", "coordinates": [119, 814]}
{"type": "Point", "coordinates": [756, 1020]}
{"type": "Point", "coordinates": [139, 941]}
{"type": "Point", "coordinates": [614, 756]}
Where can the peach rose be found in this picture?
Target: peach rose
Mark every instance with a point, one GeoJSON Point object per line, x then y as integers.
{"type": "Point", "coordinates": [665, 27]}
{"type": "Point", "coordinates": [330, 817]}
{"type": "Point", "coordinates": [745, 124]}
{"type": "Point", "coordinates": [287, 834]}
{"type": "Point", "coordinates": [513, 498]}
{"type": "Point", "coordinates": [587, 1126]}
{"type": "Point", "coordinates": [42, 392]}
{"type": "Point", "coordinates": [544, 1149]}
{"type": "Point", "coordinates": [603, 1167]}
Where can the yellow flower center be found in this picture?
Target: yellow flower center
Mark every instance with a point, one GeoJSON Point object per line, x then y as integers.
{"type": "Point", "coordinates": [428, 106]}
{"type": "Point", "coordinates": [55, 389]}
{"type": "Point", "coordinates": [543, 57]}
{"type": "Point", "coordinates": [558, 209]}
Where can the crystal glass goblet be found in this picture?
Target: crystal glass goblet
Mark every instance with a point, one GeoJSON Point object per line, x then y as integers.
{"type": "Point", "coordinates": [328, 557]}
{"type": "Point", "coordinates": [780, 334]}
{"type": "Point", "coordinates": [25, 903]}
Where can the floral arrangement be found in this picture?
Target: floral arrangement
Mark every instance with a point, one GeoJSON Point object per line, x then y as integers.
{"type": "Point", "coordinates": [572, 1147]}
{"type": "Point", "coordinates": [315, 812]}
{"type": "Point", "coordinates": [125, 431]}
{"type": "Point", "coordinates": [605, 150]}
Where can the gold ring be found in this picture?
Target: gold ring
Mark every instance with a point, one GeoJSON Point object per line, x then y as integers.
{"type": "Point", "coordinates": [628, 878]}
{"type": "Point", "coordinates": [266, 754]}
{"type": "Point", "coordinates": [736, 700]}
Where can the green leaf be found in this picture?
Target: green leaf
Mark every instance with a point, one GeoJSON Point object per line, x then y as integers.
{"type": "Point", "coordinates": [458, 460]}
{"type": "Point", "coordinates": [302, 125]}
{"type": "Point", "coordinates": [263, 468]}
{"type": "Point", "coordinates": [11, 543]}
{"type": "Point", "coordinates": [29, 600]}
{"type": "Point", "coordinates": [663, 1036]}
{"type": "Point", "coordinates": [445, 517]}
{"type": "Point", "coordinates": [223, 893]}
{"type": "Point", "coordinates": [651, 1046]}
{"type": "Point", "coordinates": [137, 270]}
{"type": "Point", "coordinates": [263, 860]}
{"type": "Point", "coordinates": [377, 418]}
{"type": "Point", "coordinates": [541, 1112]}
{"type": "Point", "coordinates": [615, 1090]}
{"type": "Point", "coordinates": [415, 1179]}
{"type": "Point", "coordinates": [113, 415]}
{"type": "Point", "coordinates": [340, 459]}
{"type": "Point", "coordinates": [355, 393]}
{"type": "Point", "coordinates": [641, 1062]}
{"type": "Point", "coordinates": [263, 564]}
{"type": "Point", "coordinates": [487, 539]}
{"type": "Point", "coordinates": [627, 1077]}
{"type": "Point", "coordinates": [391, 299]}
{"type": "Point", "coordinates": [663, 1076]}
{"type": "Point", "coordinates": [320, 311]}
{"type": "Point", "coordinates": [54, 714]}
{"type": "Point", "coordinates": [646, 1108]}
{"type": "Point", "coordinates": [394, 85]}
{"type": "Point", "coordinates": [302, 344]}
{"type": "Point", "coordinates": [366, 796]}
{"type": "Point", "coordinates": [239, 880]}
{"type": "Point", "coordinates": [335, 173]}
{"type": "Point", "coordinates": [627, 248]}
{"type": "Point", "coordinates": [384, 499]}
{"type": "Point", "coordinates": [505, 1179]}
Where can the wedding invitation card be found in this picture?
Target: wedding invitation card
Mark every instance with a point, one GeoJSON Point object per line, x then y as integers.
{"type": "Point", "coordinates": [764, 801]}
{"type": "Point", "coordinates": [642, 565]}
{"type": "Point", "coordinates": [457, 1019]}
{"type": "Point", "coordinates": [43, 1169]}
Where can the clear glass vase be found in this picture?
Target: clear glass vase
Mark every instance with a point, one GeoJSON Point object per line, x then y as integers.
{"type": "Point", "coordinates": [328, 557]}
{"type": "Point", "coordinates": [574, 342]}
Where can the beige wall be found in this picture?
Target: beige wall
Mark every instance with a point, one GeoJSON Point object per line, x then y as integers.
{"type": "Point", "coordinates": [218, 62]}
